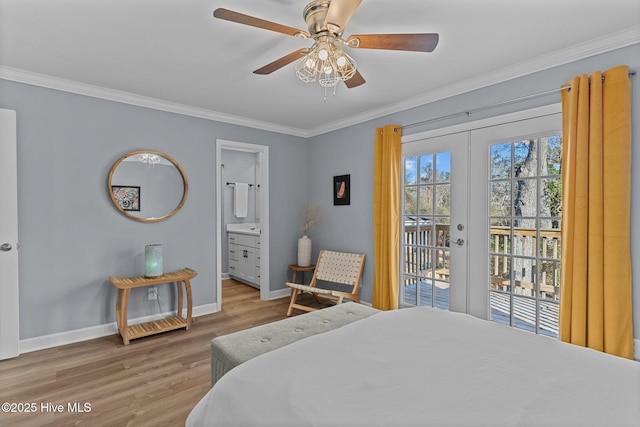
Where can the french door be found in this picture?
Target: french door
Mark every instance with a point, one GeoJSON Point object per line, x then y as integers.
{"type": "Point", "coordinates": [516, 245]}
{"type": "Point", "coordinates": [481, 229]}
{"type": "Point", "coordinates": [434, 248]}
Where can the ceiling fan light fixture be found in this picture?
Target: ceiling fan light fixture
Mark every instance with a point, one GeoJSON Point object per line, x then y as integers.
{"type": "Point", "coordinates": [327, 64]}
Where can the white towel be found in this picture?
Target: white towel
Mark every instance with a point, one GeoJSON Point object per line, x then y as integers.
{"type": "Point", "coordinates": [241, 199]}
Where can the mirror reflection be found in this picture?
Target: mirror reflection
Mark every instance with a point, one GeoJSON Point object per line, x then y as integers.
{"type": "Point", "coordinates": [147, 185]}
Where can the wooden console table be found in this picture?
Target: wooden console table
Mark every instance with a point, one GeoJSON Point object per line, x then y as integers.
{"type": "Point", "coordinates": [125, 284]}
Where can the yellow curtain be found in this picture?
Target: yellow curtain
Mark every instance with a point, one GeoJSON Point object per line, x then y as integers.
{"type": "Point", "coordinates": [595, 305]}
{"type": "Point", "coordinates": [387, 175]}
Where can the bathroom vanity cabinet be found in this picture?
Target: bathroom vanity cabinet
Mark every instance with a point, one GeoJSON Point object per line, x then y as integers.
{"type": "Point", "coordinates": [244, 257]}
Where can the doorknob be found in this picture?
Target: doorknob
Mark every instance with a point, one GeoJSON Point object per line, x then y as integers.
{"type": "Point", "coordinates": [6, 247]}
{"type": "Point", "coordinates": [458, 242]}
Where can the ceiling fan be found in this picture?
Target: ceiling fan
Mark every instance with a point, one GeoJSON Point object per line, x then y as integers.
{"type": "Point", "coordinates": [325, 61]}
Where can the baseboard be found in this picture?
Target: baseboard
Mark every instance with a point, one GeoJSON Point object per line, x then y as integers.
{"type": "Point", "coordinates": [280, 293]}
{"type": "Point", "coordinates": [69, 337]}
{"type": "Point", "coordinates": [636, 346]}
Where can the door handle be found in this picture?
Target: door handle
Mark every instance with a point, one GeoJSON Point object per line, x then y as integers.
{"type": "Point", "coordinates": [6, 247]}
{"type": "Point", "coordinates": [459, 242]}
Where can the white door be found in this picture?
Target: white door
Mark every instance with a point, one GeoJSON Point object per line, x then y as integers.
{"type": "Point", "coordinates": [9, 320]}
{"type": "Point", "coordinates": [434, 242]}
{"type": "Point", "coordinates": [514, 230]}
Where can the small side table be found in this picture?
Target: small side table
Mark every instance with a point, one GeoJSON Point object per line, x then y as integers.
{"type": "Point", "coordinates": [296, 268]}
{"type": "Point", "coordinates": [125, 284]}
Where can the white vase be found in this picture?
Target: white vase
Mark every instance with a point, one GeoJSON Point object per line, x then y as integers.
{"type": "Point", "coordinates": [304, 251]}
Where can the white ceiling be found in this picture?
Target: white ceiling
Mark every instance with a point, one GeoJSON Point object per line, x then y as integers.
{"type": "Point", "coordinates": [174, 55]}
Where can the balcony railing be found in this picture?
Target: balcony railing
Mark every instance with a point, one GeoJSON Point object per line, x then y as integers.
{"type": "Point", "coordinates": [523, 262]}
{"type": "Point", "coordinates": [426, 254]}
{"type": "Point", "coordinates": [520, 250]}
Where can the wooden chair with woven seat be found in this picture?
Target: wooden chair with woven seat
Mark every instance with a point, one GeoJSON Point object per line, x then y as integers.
{"type": "Point", "coordinates": [335, 267]}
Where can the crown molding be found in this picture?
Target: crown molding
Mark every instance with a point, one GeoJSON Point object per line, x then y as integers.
{"type": "Point", "coordinates": [50, 82]}
{"type": "Point", "coordinates": [618, 40]}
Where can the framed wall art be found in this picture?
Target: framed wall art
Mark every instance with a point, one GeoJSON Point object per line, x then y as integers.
{"type": "Point", "coordinates": [342, 190]}
{"type": "Point", "coordinates": [128, 197]}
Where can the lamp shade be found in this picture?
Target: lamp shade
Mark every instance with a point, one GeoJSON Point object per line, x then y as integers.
{"type": "Point", "coordinates": [153, 260]}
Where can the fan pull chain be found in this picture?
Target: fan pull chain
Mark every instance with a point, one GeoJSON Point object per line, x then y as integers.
{"type": "Point", "coordinates": [325, 92]}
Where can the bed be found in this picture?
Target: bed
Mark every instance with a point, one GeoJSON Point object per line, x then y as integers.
{"type": "Point", "coordinates": [425, 367]}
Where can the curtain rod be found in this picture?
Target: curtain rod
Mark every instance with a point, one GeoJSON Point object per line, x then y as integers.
{"type": "Point", "coordinates": [499, 104]}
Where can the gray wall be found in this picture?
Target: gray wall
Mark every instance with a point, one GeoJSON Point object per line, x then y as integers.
{"type": "Point", "coordinates": [350, 151]}
{"type": "Point", "coordinates": [72, 238]}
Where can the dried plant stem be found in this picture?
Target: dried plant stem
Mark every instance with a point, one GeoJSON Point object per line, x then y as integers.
{"type": "Point", "coordinates": [312, 218]}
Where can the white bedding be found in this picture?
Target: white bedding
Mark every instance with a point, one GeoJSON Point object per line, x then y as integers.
{"type": "Point", "coordinates": [425, 367]}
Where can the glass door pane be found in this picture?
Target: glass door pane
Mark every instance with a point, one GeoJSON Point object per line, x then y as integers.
{"type": "Point", "coordinates": [524, 233]}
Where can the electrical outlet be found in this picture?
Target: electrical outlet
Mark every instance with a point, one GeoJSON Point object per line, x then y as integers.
{"type": "Point", "coordinates": [152, 294]}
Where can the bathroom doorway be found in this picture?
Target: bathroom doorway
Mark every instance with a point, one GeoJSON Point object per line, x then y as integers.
{"type": "Point", "coordinates": [258, 193]}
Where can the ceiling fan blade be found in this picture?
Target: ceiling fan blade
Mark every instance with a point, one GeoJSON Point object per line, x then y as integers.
{"type": "Point", "coordinates": [279, 63]}
{"type": "Point", "coordinates": [355, 81]}
{"type": "Point", "coordinates": [425, 42]}
{"type": "Point", "coordinates": [241, 18]}
{"type": "Point", "coordinates": [339, 14]}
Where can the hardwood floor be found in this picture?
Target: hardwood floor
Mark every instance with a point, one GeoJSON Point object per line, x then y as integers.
{"type": "Point", "coordinates": [154, 381]}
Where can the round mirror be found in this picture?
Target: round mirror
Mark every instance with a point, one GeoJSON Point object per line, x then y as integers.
{"type": "Point", "coordinates": [147, 185]}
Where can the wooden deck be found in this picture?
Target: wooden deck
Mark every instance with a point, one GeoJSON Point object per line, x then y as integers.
{"type": "Point", "coordinates": [426, 295]}
{"type": "Point", "coordinates": [524, 309]}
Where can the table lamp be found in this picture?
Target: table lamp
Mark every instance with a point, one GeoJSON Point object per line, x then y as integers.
{"type": "Point", "coordinates": [153, 260]}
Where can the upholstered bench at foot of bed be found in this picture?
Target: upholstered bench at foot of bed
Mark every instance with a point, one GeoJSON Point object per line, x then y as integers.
{"type": "Point", "coordinates": [228, 351]}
